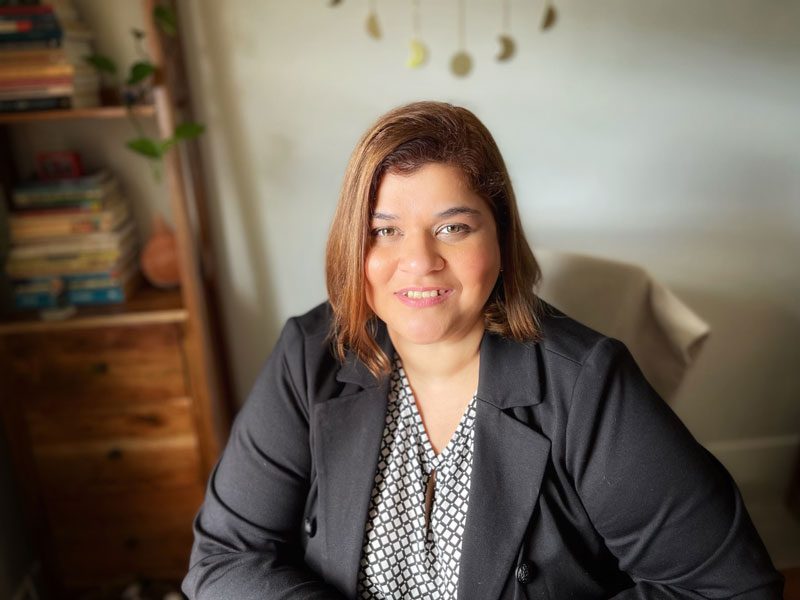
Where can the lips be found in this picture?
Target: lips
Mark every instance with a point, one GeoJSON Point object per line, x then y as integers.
{"type": "Point", "coordinates": [419, 297]}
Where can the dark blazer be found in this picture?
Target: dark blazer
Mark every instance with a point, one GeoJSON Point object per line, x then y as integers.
{"type": "Point", "coordinates": [584, 483]}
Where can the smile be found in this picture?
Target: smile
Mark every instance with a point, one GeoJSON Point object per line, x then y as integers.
{"type": "Point", "coordinates": [423, 297]}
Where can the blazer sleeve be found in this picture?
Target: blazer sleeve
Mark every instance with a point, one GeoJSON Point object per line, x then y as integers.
{"type": "Point", "coordinates": [665, 506]}
{"type": "Point", "coordinates": [246, 534]}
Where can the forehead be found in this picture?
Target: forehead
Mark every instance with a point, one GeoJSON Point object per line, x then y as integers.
{"type": "Point", "coordinates": [430, 188]}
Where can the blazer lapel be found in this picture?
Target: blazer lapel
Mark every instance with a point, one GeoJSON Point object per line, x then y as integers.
{"type": "Point", "coordinates": [349, 432]}
{"type": "Point", "coordinates": [509, 461]}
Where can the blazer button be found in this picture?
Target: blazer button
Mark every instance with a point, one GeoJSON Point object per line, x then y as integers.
{"type": "Point", "coordinates": [310, 526]}
{"type": "Point", "coordinates": [525, 572]}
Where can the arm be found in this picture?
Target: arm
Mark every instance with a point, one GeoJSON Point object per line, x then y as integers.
{"type": "Point", "coordinates": [247, 531]}
{"type": "Point", "coordinates": [664, 505]}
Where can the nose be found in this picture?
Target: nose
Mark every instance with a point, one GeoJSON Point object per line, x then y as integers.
{"type": "Point", "coordinates": [420, 255]}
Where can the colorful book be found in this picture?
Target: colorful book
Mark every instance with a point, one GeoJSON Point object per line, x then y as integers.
{"type": "Point", "coordinates": [101, 296]}
{"type": "Point", "coordinates": [75, 245]}
{"type": "Point", "coordinates": [31, 227]}
{"type": "Point", "coordinates": [26, 71]}
{"type": "Point", "coordinates": [83, 262]}
{"type": "Point", "coordinates": [79, 192]}
{"type": "Point", "coordinates": [31, 104]}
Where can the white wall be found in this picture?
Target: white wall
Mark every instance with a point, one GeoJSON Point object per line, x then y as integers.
{"type": "Point", "coordinates": [666, 134]}
{"type": "Point", "coordinates": [661, 133]}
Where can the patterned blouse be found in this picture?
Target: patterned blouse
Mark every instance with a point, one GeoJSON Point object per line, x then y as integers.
{"type": "Point", "coordinates": [411, 551]}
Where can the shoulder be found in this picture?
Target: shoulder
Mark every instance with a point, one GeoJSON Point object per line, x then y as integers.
{"type": "Point", "coordinates": [311, 325]}
{"type": "Point", "coordinates": [565, 339]}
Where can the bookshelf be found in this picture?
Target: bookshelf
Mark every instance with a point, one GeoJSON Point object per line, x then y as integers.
{"type": "Point", "coordinates": [97, 113]}
{"type": "Point", "coordinates": [115, 416]}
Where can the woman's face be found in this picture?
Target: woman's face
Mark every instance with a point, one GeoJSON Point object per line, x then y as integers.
{"type": "Point", "coordinates": [433, 257]}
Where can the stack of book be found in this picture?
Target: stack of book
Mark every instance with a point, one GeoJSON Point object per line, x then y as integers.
{"type": "Point", "coordinates": [42, 65]}
{"type": "Point", "coordinates": [72, 242]}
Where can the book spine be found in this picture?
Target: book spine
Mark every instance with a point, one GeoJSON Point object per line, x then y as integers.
{"type": "Point", "coordinates": [72, 201]}
{"type": "Point", "coordinates": [21, 85]}
{"type": "Point", "coordinates": [112, 295]}
{"type": "Point", "coordinates": [35, 300]}
{"type": "Point", "coordinates": [26, 10]}
{"type": "Point", "coordinates": [29, 104]}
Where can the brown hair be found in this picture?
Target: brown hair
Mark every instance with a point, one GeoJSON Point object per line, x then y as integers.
{"type": "Point", "coordinates": [402, 141]}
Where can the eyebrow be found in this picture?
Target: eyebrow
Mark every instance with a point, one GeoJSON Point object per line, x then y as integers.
{"type": "Point", "coordinates": [450, 212]}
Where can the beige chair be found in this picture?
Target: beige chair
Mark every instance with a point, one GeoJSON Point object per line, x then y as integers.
{"type": "Point", "coordinates": [623, 301]}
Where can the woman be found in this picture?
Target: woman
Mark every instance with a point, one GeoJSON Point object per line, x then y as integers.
{"type": "Point", "coordinates": [435, 432]}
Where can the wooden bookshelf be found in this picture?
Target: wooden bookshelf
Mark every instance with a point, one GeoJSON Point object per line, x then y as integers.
{"type": "Point", "coordinates": [147, 306]}
{"type": "Point", "coordinates": [147, 380]}
{"type": "Point", "coordinates": [74, 114]}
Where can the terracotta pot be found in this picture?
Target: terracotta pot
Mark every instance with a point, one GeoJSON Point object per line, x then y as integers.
{"type": "Point", "coordinates": [159, 258]}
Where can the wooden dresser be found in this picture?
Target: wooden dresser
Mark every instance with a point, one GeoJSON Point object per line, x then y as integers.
{"type": "Point", "coordinates": [108, 442]}
{"type": "Point", "coordinates": [115, 417]}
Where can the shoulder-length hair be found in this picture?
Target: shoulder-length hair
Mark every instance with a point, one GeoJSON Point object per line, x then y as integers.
{"type": "Point", "coordinates": [402, 141]}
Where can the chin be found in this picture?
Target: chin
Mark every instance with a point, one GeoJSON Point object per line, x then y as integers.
{"type": "Point", "coordinates": [420, 333]}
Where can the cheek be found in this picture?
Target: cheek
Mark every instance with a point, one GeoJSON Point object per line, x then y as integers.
{"type": "Point", "coordinates": [480, 267]}
{"type": "Point", "coordinates": [377, 267]}
{"type": "Point", "coordinates": [377, 272]}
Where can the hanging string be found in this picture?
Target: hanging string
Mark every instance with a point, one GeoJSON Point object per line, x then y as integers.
{"type": "Point", "coordinates": [415, 19]}
{"type": "Point", "coordinates": [462, 25]}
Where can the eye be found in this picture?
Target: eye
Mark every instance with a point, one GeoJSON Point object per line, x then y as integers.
{"type": "Point", "coordinates": [454, 229]}
{"type": "Point", "coordinates": [383, 231]}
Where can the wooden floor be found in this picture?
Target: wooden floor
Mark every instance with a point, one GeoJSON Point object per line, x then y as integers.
{"type": "Point", "coordinates": [792, 589]}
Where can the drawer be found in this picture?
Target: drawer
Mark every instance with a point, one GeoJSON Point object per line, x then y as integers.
{"type": "Point", "coordinates": [96, 366]}
{"type": "Point", "coordinates": [117, 537]}
{"type": "Point", "coordinates": [106, 466]}
{"type": "Point", "coordinates": [64, 424]}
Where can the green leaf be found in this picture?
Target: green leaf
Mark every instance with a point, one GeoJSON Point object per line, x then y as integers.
{"type": "Point", "coordinates": [167, 144]}
{"type": "Point", "coordinates": [146, 147]}
{"type": "Point", "coordinates": [140, 71]}
{"type": "Point", "coordinates": [101, 63]}
{"type": "Point", "coordinates": [188, 130]}
{"type": "Point", "coordinates": [166, 20]}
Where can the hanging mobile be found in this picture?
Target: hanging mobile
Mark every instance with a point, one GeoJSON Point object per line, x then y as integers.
{"type": "Point", "coordinates": [372, 24]}
{"type": "Point", "coordinates": [461, 63]}
{"type": "Point", "coordinates": [550, 15]}
{"type": "Point", "coordinates": [508, 46]}
{"type": "Point", "coordinates": [419, 52]}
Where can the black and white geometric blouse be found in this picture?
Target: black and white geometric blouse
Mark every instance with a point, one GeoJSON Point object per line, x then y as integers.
{"type": "Point", "coordinates": [409, 551]}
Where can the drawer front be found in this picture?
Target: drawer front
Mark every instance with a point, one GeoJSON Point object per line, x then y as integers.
{"type": "Point", "coordinates": [105, 466]}
{"type": "Point", "coordinates": [96, 366]}
{"type": "Point", "coordinates": [117, 537]}
{"type": "Point", "coordinates": [64, 424]}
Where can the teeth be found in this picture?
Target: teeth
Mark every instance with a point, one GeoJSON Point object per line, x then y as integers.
{"type": "Point", "coordinates": [429, 294]}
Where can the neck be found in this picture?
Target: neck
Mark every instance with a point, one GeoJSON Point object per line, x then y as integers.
{"type": "Point", "coordinates": [440, 363]}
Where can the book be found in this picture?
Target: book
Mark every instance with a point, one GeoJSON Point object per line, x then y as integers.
{"type": "Point", "coordinates": [23, 85]}
{"type": "Point", "coordinates": [89, 190]}
{"type": "Point", "coordinates": [66, 264]}
{"type": "Point", "coordinates": [76, 245]}
{"type": "Point", "coordinates": [26, 8]}
{"type": "Point", "coordinates": [31, 104]}
{"type": "Point", "coordinates": [43, 70]}
{"type": "Point", "coordinates": [38, 300]}
{"type": "Point", "coordinates": [30, 93]}
{"type": "Point", "coordinates": [36, 226]}
{"type": "Point", "coordinates": [59, 294]}
{"type": "Point", "coordinates": [32, 56]}
{"type": "Point", "coordinates": [117, 276]}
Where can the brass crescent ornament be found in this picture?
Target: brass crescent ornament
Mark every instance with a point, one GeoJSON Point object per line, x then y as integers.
{"type": "Point", "coordinates": [419, 54]}
{"type": "Point", "coordinates": [508, 48]}
{"type": "Point", "coordinates": [373, 26]}
{"type": "Point", "coordinates": [334, 2]}
{"type": "Point", "coordinates": [550, 17]}
{"type": "Point", "coordinates": [461, 64]}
